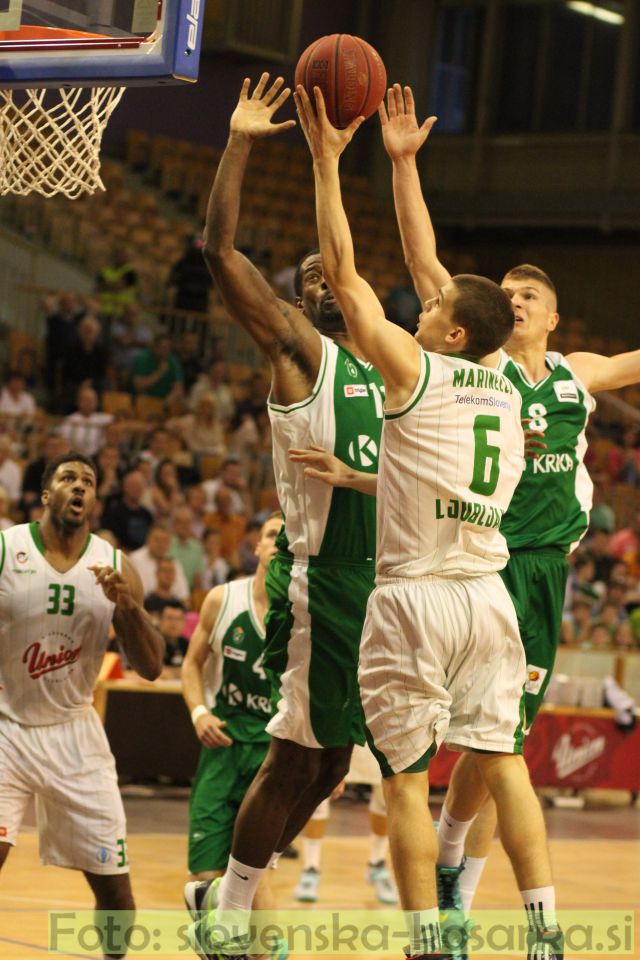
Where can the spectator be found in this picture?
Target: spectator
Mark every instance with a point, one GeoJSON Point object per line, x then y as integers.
{"type": "Point", "coordinates": [116, 285]}
{"type": "Point", "coordinates": [171, 626]}
{"type": "Point", "coordinates": [201, 430]}
{"type": "Point", "coordinates": [84, 429]}
{"type": "Point", "coordinates": [62, 318]}
{"type": "Point", "coordinates": [271, 504]}
{"type": "Point", "coordinates": [86, 361]}
{"type": "Point", "coordinates": [157, 372]}
{"type": "Point", "coordinates": [624, 461]}
{"type": "Point", "coordinates": [215, 381]}
{"type": "Point", "coordinates": [109, 467]}
{"type": "Point", "coordinates": [10, 471]}
{"type": "Point", "coordinates": [189, 354]}
{"type": "Point", "coordinates": [147, 558]}
{"type": "Point", "coordinates": [254, 404]}
{"type": "Point", "coordinates": [232, 478]}
{"type": "Point", "coordinates": [216, 569]}
{"type": "Point", "coordinates": [230, 524]}
{"type": "Point", "coordinates": [581, 580]}
{"type": "Point", "coordinates": [17, 405]}
{"type": "Point", "coordinates": [166, 494]}
{"type": "Point", "coordinates": [598, 548]}
{"type": "Point", "coordinates": [130, 335]}
{"type": "Point", "coordinates": [189, 280]}
{"type": "Point", "coordinates": [125, 515]}
{"type": "Point", "coordinates": [247, 547]}
{"type": "Point", "coordinates": [185, 549]}
{"type": "Point", "coordinates": [157, 447]}
{"type": "Point", "coordinates": [626, 541]}
{"type": "Point", "coordinates": [195, 498]}
{"type": "Point", "coordinates": [164, 592]}
{"type": "Point", "coordinates": [53, 446]}
{"type": "Point", "coordinates": [576, 623]}
{"type": "Point", "coordinates": [6, 520]}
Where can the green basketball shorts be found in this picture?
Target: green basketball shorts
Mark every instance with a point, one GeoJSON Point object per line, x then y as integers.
{"type": "Point", "coordinates": [537, 580]}
{"type": "Point", "coordinates": [223, 777]}
{"type": "Point", "coordinates": [314, 626]}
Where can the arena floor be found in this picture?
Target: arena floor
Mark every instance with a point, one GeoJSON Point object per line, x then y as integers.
{"type": "Point", "coordinates": [595, 853]}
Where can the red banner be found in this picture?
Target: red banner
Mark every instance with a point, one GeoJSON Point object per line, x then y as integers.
{"type": "Point", "coordinates": [577, 750]}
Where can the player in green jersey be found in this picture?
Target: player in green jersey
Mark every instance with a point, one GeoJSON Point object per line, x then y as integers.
{"type": "Point", "coordinates": [228, 644]}
{"type": "Point", "coordinates": [319, 582]}
{"type": "Point", "coordinates": [549, 512]}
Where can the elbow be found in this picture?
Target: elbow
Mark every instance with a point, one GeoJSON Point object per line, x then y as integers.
{"type": "Point", "coordinates": [152, 670]}
{"type": "Point", "coordinates": [216, 254]}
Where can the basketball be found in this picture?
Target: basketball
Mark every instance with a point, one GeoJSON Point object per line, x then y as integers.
{"type": "Point", "coordinates": [350, 74]}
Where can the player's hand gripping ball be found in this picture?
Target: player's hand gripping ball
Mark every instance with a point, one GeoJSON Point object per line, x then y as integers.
{"type": "Point", "coordinates": [350, 74]}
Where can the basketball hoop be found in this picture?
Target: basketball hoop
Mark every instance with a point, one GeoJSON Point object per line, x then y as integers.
{"type": "Point", "coordinates": [50, 139]}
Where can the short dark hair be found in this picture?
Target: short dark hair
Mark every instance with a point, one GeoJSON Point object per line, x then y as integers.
{"type": "Point", "coordinates": [526, 271]}
{"type": "Point", "coordinates": [72, 457]}
{"type": "Point", "coordinates": [485, 312]}
{"type": "Point", "coordinates": [297, 277]}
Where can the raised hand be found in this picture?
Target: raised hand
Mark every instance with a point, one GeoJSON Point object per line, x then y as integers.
{"type": "Point", "coordinates": [400, 131]}
{"type": "Point", "coordinates": [325, 140]}
{"type": "Point", "coordinates": [114, 586]}
{"type": "Point", "coordinates": [252, 116]}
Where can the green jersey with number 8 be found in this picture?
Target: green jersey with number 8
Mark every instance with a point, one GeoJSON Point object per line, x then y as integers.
{"type": "Point", "coordinates": [551, 505]}
{"type": "Point", "coordinates": [241, 689]}
{"type": "Point", "coordinates": [451, 459]}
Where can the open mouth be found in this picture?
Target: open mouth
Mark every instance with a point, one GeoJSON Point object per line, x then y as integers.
{"type": "Point", "coordinates": [76, 504]}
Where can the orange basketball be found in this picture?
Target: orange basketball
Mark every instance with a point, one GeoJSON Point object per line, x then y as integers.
{"type": "Point", "coordinates": [350, 74]}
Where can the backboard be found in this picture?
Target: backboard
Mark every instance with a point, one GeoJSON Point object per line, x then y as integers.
{"type": "Point", "coordinates": [88, 43]}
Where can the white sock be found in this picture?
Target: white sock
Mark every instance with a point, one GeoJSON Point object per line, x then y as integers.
{"type": "Point", "coordinates": [469, 880]}
{"type": "Point", "coordinates": [424, 931]}
{"type": "Point", "coordinates": [237, 891]}
{"type": "Point", "coordinates": [451, 835]}
{"type": "Point", "coordinates": [377, 848]}
{"type": "Point", "coordinates": [311, 850]}
{"type": "Point", "coordinates": [540, 904]}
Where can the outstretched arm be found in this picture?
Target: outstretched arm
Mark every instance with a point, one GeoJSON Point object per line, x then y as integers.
{"type": "Point", "coordinates": [402, 139]}
{"type": "Point", "coordinates": [389, 348]}
{"type": "Point", "coordinates": [606, 373]}
{"type": "Point", "coordinates": [281, 331]}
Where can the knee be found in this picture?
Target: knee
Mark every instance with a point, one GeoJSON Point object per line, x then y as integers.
{"type": "Point", "coordinates": [333, 770]}
{"type": "Point", "coordinates": [291, 771]}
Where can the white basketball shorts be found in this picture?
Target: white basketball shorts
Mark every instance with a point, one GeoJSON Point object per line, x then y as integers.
{"type": "Point", "coordinates": [70, 770]}
{"type": "Point", "coordinates": [441, 659]}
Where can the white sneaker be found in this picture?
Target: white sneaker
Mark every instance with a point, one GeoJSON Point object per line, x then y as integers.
{"type": "Point", "coordinates": [307, 888]}
{"type": "Point", "coordinates": [380, 878]}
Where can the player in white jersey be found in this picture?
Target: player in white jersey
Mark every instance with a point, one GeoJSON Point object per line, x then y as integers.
{"type": "Point", "coordinates": [441, 656]}
{"type": "Point", "coordinates": [549, 513]}
{"type": "Point", "coordinates": [60, 588]}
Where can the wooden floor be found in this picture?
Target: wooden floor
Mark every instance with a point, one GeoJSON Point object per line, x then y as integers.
{"type": "Point", "coordinates": [590, 874]}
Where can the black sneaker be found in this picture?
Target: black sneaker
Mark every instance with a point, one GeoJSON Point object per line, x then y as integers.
{"type": "Point", "coordinates": [545, 944]}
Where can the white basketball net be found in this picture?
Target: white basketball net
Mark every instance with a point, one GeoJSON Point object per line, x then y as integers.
{"type": "Point", "coordinates": [50, 139]}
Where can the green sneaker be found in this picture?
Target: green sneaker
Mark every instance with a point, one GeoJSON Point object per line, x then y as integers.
{"type": "Point", "coordinates": [545, 944]}
{"type": "Point", "coordinates": [201, 896]}
{"type": "Point", "coordinates": [205, 942]}
{"type": "Point", "coordinates": [453, 926]}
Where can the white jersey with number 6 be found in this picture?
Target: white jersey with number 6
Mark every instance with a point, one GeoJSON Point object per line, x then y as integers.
{"type": "Point", "coordinates": [53, 628]}
{"type": "Point", "coordinates": [450, 461]}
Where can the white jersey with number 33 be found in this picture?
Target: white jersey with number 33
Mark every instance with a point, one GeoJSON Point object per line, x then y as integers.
{"type": "Point", "coordinates": [451, 459]}
{"type": "Point", "coordinates": [53, 628]}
